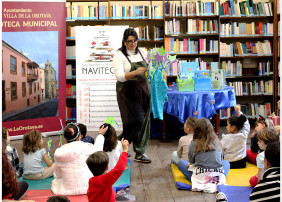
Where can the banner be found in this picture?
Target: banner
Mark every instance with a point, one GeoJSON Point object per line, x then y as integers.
{"type": "Point", "coordinates": [33, 66]}
{"type": "Point", "coordinates": [95, 79]}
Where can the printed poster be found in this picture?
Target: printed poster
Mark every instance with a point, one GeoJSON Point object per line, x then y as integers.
{"type": "Point", "coordinates": [33, 66]}
{"type": "Point", "coordinates": [95, 79]}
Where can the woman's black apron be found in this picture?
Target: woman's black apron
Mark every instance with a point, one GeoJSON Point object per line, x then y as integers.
{"type": "Point", "coordinates": [133, 98]}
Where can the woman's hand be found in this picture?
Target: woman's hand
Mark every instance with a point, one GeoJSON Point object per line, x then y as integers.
{"type": "Point", "coordinates": [103, 130]}
{"type": "Point", "coordinates": [140, 70]}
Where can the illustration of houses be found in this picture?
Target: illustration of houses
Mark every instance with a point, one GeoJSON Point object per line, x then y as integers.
{"type": "Point", "coordinates": [20, 80]}
{"type": "Point", "coordinates": [50, 81]}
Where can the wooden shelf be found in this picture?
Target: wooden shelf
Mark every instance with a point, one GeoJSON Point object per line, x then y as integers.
{"type": "Point", "coordinates": [151, 41]}
{"type": "Point", "coordinates": [243, 17]}
{"type": "Point", "coordinates": [143, 19]}
{"type": "Point", "coordinates": [195, 54]}
{"type": "Point", "coordinates": [71, 98]}
{"type": "Point", "coordinates": [245, 57]}
{"type": "Point", "coordinates": [245, 37]}
{"type": "Point", "coordinates": [254, 96]}
{"type": "Point", "coordinates": [99, 20]}
{"type": "Point", "coordinates": [250, 77]}
{"type": "Point", "coordinates": [192, 35]}
{"type": "Point", "coordinates": [191, 17]}
{"type": "Point", "coordinates": [71, 59]}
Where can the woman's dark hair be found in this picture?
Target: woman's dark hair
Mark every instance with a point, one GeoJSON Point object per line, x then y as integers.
{"type": "Point", "coordinates": [237, 121]}
{"type": "Point", "coordinates": [31, 141]}
{"type": "Point", "coordinates": [272, 153]}
{"type": "Point", "coordinates": [10, 184]}
{"type": "Point", "coordinates": [98, 162]}
{"type": "Point", "coordinates": [128, 32]}
{"type": "Point", "coordinates": [110, 138]}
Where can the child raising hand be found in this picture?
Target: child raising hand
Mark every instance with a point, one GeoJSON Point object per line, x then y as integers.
{"type": "Point", "coordinates": [100, 186]}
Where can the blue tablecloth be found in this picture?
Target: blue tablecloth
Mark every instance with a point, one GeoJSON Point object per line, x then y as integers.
{"type": "Point", "coordinates": [200, 104]}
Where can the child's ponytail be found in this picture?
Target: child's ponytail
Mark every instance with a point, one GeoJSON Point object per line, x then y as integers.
{"type": "Point", "coordinates": [237, 121]}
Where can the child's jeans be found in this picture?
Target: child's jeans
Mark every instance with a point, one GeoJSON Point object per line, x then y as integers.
{"type": "Point", "coordinates": [182, 166]}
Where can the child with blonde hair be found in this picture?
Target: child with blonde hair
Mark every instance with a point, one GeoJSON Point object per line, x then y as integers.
{"type": "Point", "coordinates": [234, 144]}
{"type": "Point", "coordinates": [33, 156]}
{"type": "Point", "coordinates": [112, 146]}
{"type": "Point", "coordinates": [184, 141]}
{"type": "Point", "coordinates": [206, 167]}
{"type": "Point", "coordinates": [261, 123]}
{"type": "Point", "coordinates": [265, 137]}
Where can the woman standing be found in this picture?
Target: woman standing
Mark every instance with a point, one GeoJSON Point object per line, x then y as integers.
{"type": "Point", "coordinates": [133, 94]}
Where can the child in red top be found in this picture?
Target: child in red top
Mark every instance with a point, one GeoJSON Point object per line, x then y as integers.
{"type": "Point", "coordinates": [100, 186]}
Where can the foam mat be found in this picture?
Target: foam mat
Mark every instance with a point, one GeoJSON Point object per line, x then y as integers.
{"type": "Point", "coordinates": [235, 177]}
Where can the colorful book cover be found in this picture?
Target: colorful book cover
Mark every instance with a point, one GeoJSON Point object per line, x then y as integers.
{"type": "Point", "coordinates": [34, 66]}
{"type": "Point", "coordinates": [202, 80]}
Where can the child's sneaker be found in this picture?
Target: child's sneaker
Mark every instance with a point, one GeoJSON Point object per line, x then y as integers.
{"type": "Point", "coordinates": [220, 197]}
{"type": "Point", "coordinates": [124, 196]}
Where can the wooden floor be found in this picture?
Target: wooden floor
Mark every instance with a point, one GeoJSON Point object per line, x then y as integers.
{"type": "Point", "coordinates": [149, 182]}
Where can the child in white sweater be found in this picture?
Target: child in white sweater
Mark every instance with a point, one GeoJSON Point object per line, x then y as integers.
{"type": "Point", "coordinates": [234, 144]}
{"type": "Point", "coordinates": [184, 141]}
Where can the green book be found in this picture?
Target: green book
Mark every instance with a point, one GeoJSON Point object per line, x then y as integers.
{"type": "Point", "coordinates": [260, 9]}
{"type": "Point", "coordinates": [221, 10]}
{"type": "Point", "coordinates": [242, 8]}
{"type": "Point", "coordinates": [249, 8]}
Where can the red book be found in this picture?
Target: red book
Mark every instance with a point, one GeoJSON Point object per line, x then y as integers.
{"type": "Point", "coordinates": [260, 27]}
{"type": "Point", "coordinates": [68, 90]}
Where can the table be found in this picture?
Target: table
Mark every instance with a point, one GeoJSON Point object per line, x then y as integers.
{"type": "Point", "coordinates": [200, 104]}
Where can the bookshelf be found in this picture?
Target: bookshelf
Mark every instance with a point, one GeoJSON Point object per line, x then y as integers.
{"type": "Point", "coordinates": [205, 26]}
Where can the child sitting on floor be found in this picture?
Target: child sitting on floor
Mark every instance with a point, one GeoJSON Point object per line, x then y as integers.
{"type": "Point", "coordinates": [72, 173]}
{"type": "Point", "coordinates": [12, 153]}
{"type": "Point", "coordinates": [83, 131]}
{"type": "Point", "coordinates": [265, 137]}
{"type": "Point", "coordinates": [261, 123]}
{"type": "Point", "coordinates": [206, 167]}
{"type": "Point", "coordinates": [10, 185]}
{"type": "Point", "coordinates": [234, 144]}
{"type": "Point", "coordinates": [112, 146]}
{"type": "Point", "coordinates": [33, 156]}
{"type": "Point", "coordinates": [268, 187]}
{"type": "Point", "coordinates": [100, 186]}
{"type": "Point", "coordinates": [184, 141]}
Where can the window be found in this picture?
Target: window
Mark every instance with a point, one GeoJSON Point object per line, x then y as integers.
{"type": "Point", "coordinates": [13, 90]}
{"type": "Point", "coordinates": [38, 86]}
{"type": "Point", "coordinates": [30, 87]}
{"type": "Point", "coordinates": [23, 89]}
{"type": "Point", "coordinates": [13, 64]}
{"type": "Point", "coordinates": [34, 87]}
{"type": "Point", "coordinates": [23, 68]}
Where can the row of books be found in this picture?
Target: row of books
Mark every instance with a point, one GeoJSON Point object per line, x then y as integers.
{"type": "Point", "coordinates": [71, 71]}
{"type": "Point", "coordinates": [252, 88]}
{"type": "Point", "coordinates": [189, 46]}
{"type": "Point", "coordinates": [246, 8]}
{"type": "Point", "coordinates": [70, 52]}
{"type": "Point", "coordinates": [70, 90]}
{"type": "Point", "coordinates": [188, 8]}
{"type": "Point", "coordinates": [86, 12]}
{"type": "Point", "coordinates": [71, 113]}
{"type": "Point", "coordinates": [246, 48]}
{"type": "Point", "coordinates": [143, 32]}
{"type": "Point", "coordinates": [235, 69]}
{"type": "Point", "coordinates": [136, 12]}
{"type": "Point", "coordinates": [250, 29]}
{"type": "Point", "coordinates": [251, 110]}
{"type": "Point", "coordinates": [177, 67]}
